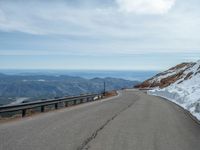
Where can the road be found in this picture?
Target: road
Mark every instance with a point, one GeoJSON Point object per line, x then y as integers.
{"type": "Point", "coordinates": [131, 121]}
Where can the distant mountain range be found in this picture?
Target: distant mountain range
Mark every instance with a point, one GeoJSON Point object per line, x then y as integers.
{"type": "Point", "coordinates": [87, 74]}
{"type": "Point", "coordinates": [17, 88]}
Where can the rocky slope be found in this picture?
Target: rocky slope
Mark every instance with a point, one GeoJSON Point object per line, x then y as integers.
{"type": "Point", "coordinates": [180, 72]}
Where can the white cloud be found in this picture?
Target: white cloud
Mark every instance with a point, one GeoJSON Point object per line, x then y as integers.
{"type": "Point", "coordinates": [146, 6]}
{"type": "Point", "coordinates": [107, 28]}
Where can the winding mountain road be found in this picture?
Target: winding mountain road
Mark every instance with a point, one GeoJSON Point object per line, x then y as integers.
{"type": "Point", "coordinates": [130, 121]}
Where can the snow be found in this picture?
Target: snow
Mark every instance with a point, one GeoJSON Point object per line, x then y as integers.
{"type": "Point", "coordinates": [168, 73]}
{"type": "Point", "coordinates": [19, 100]}
{"type": "Point", "coordinates": [186, 94]}
{"type": "Point", "coordinates": [41, 80]}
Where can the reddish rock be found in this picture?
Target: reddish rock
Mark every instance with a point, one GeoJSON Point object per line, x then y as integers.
{"type": "Point", "coordinates": [168, 77]}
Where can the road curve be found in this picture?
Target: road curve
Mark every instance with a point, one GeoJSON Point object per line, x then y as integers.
{"type": "Point", "coordinates": [131, 121]}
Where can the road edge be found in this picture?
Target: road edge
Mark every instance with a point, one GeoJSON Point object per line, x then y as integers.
{"type": "Point", "coordinates": [185, 110]}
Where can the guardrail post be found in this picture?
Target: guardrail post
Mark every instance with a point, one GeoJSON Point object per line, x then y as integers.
{"type": "Point", "coordinates": [74, 102]}
{"type": "Point", "coordinates": [23, 112]}
{"type": "Point", "coordinates": [42, 108]}
{"type": "Point", "coordinates": [81, 101]}
{"type": "Point", "coordinates": [66, 104]}
{"type": "Point", "coordinates": [56, 105]}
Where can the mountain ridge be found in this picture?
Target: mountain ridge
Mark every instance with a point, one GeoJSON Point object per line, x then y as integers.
{"type": "Point", "coordinates": [169, 76]}
{"type": "Point", "coordinates": [34, 87]}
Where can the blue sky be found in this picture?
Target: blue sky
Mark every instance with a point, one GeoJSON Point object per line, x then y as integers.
{"type": "Point", "coordinates": [98, 34]}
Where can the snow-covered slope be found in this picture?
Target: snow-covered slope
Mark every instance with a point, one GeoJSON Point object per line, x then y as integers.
{"type": "Point", "coordinates": [185, 90]}
{"type": "Point", "coordinates": [164, 79]}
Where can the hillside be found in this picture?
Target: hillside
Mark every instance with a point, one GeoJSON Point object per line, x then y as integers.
{"type": "Point", "coordinates": [180, 72]}
{"type": "Point", "coordinates": [33, 87]}
{"type": "Point", "coordinates": [180, 84]}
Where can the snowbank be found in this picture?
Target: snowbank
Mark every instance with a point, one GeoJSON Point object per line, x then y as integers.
{"type": "Point", "coordinates": [185, 94]}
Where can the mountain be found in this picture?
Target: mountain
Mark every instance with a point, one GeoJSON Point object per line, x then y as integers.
{"type": "Point", "coordinates": [19, 88]}
{"type": "Point", "coordinates": [180, 84]}
{"type": "Point", "coordinates": [180, 72]}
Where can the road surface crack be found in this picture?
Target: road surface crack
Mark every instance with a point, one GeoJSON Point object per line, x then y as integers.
{"type": "Point", "coordinates": [85, 144]}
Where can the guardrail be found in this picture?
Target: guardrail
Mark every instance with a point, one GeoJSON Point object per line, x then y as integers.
{"type": "Point", "coordinates": [42, 104]}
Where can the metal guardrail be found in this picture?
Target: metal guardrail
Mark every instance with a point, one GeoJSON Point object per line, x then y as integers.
{"type": "Point", "coordinates": [65, 100]}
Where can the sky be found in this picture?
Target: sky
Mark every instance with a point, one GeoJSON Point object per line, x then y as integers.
{"type": "Point", "coordinates": [98, 34]}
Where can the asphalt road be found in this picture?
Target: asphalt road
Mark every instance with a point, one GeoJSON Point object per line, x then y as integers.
{"type": "Point", "coordinates": [131, 121]}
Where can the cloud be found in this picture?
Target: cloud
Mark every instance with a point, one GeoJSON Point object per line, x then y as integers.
{"type": "Point", "coordinates": [90, 27]}
{"type": "Point", "coordinates": [104, 28]}
{"type": "Point", "coordinates": [146, 6]}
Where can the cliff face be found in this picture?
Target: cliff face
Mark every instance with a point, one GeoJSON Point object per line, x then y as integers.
{"type": "Point", "coordinates": [179, 73]}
